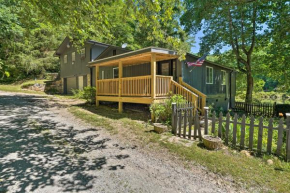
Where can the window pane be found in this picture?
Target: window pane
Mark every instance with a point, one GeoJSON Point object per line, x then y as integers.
{"type": "Point", "coordinates": [73, 57]}
{"type": "Point", "coordinates": [65, 59]}
{"type": "Point", "coordinates": [115, 72]}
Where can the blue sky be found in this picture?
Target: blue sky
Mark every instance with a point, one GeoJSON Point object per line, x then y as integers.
{"type": "Point", "coordinates": [196, 47]}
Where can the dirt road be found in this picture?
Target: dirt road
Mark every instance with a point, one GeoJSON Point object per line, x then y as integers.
{"type": "Point", "coordinates": [43, 148]}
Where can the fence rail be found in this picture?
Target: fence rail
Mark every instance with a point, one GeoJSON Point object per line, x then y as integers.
{"type": "Point", "coordinates": [255, 109]}
{"type": "Point", "coordinates": [258, 135]}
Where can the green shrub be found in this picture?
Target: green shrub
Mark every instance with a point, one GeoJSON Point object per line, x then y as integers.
{"type": "Point", "coordinates": [162, 111]}
{"type": "Point", "coordinates": [88, 93]}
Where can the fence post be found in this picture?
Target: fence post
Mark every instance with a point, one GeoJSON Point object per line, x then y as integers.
{"type": "Point", "coordinates": [205, 120]}
{"type": "Point", "coordinates": [173, 120]}
{"type": "Point", "coordinates": [288, 137]}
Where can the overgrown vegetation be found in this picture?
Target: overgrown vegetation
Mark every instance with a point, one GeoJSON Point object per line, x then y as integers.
{"type": "Point", "coordinates": [162, 111]}
{"type": "Point", "coordinates": [88, 93]}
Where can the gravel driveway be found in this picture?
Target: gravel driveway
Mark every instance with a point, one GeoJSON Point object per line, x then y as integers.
{"type": "Point", "coordinates": [43, 148]}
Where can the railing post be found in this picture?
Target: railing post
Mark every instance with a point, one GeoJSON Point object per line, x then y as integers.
{"type": "Point", "coordinates": [173, 119]}
{"type": "Point", "coordinates": [288, 137]}
{"type": "Point", "coordinates": [120, 86]}
{"type": "Point", "coordinates": [97, 86]}
{"type": "Point", "coordinates": [206, 120]}
{"type": "Point", "coordinates": [153, 75]}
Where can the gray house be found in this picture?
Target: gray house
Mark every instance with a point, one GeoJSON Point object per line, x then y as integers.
{"type": "Point", "coordinates": [145, 75]}
{"type": "Point", "coordinates": [74, 72]}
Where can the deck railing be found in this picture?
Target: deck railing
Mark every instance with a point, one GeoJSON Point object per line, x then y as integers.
{"type": "Point", "coordinates": [140, 86]}
{"type": "Point", "coordinates": [186, 93]}
{"type": "Point", "coordinates": [201, 100]}
{"type": "Point", "coordinates": [136, 86]}
{"type": "Point", "coordinates": [163, 85]}
{"type": "Point", "coordinates": [108, 87]}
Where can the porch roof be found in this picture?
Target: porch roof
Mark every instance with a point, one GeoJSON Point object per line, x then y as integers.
{"type": "Point", "coordinates": [136, 57]}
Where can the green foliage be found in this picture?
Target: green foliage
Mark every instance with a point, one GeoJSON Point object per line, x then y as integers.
{"type": "Point", "coordinates": [162, 111]}
{"type": "Point", "coordinates": [88, 93]}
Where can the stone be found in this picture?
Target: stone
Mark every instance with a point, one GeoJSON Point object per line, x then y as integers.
{"type": "Point", "coordinates": [246, 153]}
{"type": "Point", "coordinates": [160, 128]}
{"type": "Point", "coordinates": [270, 162]}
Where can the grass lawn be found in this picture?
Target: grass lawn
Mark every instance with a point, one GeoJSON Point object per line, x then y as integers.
{"type": "Point", "coordinates": [16, 87]}
{"type": "Point", "coordinates": [247, 171]}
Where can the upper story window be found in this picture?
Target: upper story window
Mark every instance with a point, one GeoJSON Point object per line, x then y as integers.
{"type": "Point", "coordinates": [115, 72]}
{"type": "Point", "coordinates": [65, 59]}
{"type": "Point", "coordinates": [114, 52]}
{"type": "Point", "coordinates": [83, 53]}
{"type": "Point", "coordinates": [224, 77]}
{"type": "Point", "coordinates": [209, 75]}
{"type": "Point", "coordinates": [73, 58]}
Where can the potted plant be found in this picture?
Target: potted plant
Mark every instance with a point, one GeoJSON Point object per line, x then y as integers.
{"type": "Point", "coordinates": [212, 142]}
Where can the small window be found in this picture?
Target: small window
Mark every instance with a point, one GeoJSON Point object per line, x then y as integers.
{"type": "Point", "coordinates": [103, 74]}
{"type": "Point", "coordinates": [223, 77]}
{"type": "Point", "coordinates": [73, 58]}
{"type": "Point", "coordinates": [114, 52]}
{"type": "Point", "coordinates": [209, 75]}
{"type": "Point", "coordinates": [115, 72]}
{"type": "Point", "coordinates": [65, 59]}
{"type": "Point", "coordinates": [83, 53]}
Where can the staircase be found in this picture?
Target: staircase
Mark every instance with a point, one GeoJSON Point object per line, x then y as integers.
{"type": "Point", "coordinates": [197, 98]}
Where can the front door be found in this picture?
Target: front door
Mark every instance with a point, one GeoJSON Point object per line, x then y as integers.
{"type": "Point", "coordinates": [167, 68]}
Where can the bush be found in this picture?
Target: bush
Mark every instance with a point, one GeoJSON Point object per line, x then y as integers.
{"type": "Point", "coordinates": [88, 93]}
{"type": "Point", "coordinates": [162, 111]}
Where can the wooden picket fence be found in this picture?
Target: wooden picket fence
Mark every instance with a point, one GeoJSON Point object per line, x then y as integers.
{"type": "Point", "coordinates": [256, 109]}
{"type": "Point", "coordinates": [235, 132]}
{"type": "Point", "coordinates": [185, 123]}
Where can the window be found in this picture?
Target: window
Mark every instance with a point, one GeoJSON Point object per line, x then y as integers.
{"type": "Point", "coordinates": [65, 59]}
{"type": "Point", "coordinates": [83, 53]}
{"type": "Point", "coordinates": [115, 72]}
{"type": "Point", "coordinates": [103, 74]}
{"type": "Point", "coordinates": [223, 77]}
{"type": "Point", "coordinates": [114, 52]}
{"type": "Point", "coordinates": [209, 75]}
{"type": "Point", "coordinates": [73, 58]}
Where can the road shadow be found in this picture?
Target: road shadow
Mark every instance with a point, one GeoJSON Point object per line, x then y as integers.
{"type": "Point", "coordinates": [36, 151]}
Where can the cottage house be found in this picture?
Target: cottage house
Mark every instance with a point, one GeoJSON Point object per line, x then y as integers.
{"type": "Point", "coordinates": [145, 76]}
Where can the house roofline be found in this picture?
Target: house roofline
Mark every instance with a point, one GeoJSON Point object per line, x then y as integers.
{"type": "Point", "coordinates": [128, 54]}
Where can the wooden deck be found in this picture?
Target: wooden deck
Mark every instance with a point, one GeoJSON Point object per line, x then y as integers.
{"type": "Point", "coordinates": [140, 89]}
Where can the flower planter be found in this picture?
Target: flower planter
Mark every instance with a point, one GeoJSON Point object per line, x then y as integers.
{"type": "Point", "coordinates": [160, 128]}
{"type": "Point", "coordinates": [211, 142]}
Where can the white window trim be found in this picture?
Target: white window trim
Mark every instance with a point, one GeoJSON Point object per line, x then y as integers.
{"type": "Point", "coordinates": [73, 62]}
{"type": "Point", "coordinates": [114, 71]}
{"type": "Point", "coordinates": [103, 74]}
{"type": "Point", "coordinates": [206, 75]}
{"type": "Point", "coordinates": [224, 73]}
{"type": "Point", "coordinates": [65, 62]}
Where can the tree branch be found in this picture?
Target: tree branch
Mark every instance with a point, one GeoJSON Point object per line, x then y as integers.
{"type": "Point", "coordinates": [254, 29]}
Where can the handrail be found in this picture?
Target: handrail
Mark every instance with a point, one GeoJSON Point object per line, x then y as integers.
{"type": "Point", "coordinates": [191, 88]}
{"type": "Point", "coordinates": [177, 88]}
{"type": "Point", "coordinates": [201, 97]}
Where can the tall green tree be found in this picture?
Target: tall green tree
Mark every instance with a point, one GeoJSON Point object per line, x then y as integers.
{"type": "Point", "coordinates": [235, 23]}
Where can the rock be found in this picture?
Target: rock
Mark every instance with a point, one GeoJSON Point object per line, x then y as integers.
{"type": "Point", "coordinates": [270, 162]}
{"type": "Point", "coordinates": [246, 153]}
{"type": "Point", "coordinates": [160, 128]}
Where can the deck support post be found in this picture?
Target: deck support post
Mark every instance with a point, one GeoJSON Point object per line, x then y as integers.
{"type": "Point", "coordinates": [120, 85]}
{"type": "Point", "coordinates": [153, 75]}
{"type": "Point", "coordinates": [97, 78]}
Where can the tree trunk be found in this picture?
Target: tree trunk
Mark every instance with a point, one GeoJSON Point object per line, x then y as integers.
{"type": "Point", "coordinates": [250, 86]}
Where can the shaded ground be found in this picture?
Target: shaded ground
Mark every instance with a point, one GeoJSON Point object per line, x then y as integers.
{"type": "Point", "coordinates": [43, 148]}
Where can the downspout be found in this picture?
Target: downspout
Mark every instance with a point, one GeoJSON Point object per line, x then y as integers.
{"type": "Point", "coordinates": [230, 85]}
